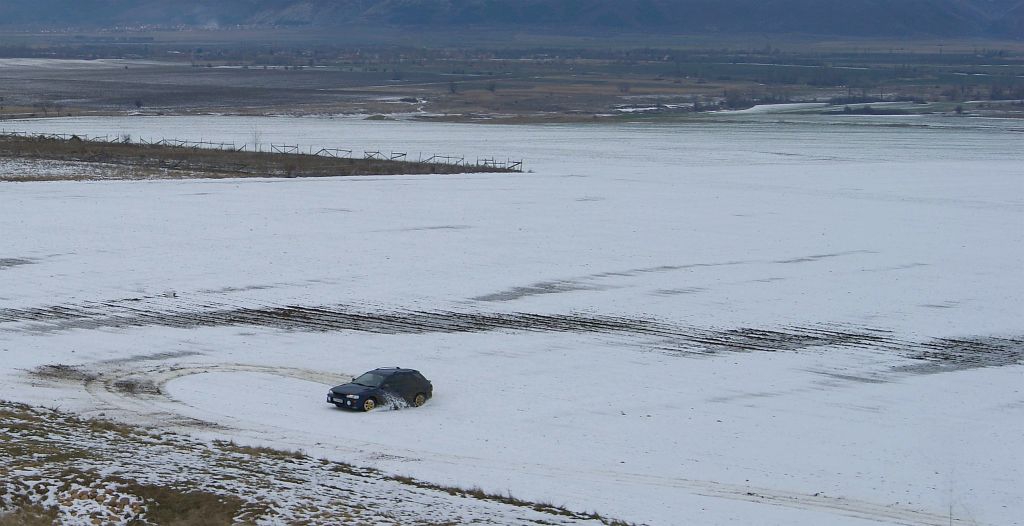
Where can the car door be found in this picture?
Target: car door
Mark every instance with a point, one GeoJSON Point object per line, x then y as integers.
{"type": "Point", "coordinates": [394, 385]}
{"type": "Point", "coordinates": [403, 386]}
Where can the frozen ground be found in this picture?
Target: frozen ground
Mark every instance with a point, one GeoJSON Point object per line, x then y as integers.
{"type": "Point", "coordinates": [60, 64]}
{"type": "Point", "coordinates": [783, 108]}
{"type": "Point", "coordinates": [752, 320]}
{"type": "Point", "coordinates": [97, 472]}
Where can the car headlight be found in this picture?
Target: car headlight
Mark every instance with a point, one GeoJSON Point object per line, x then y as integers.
{"type": "Point", "coordinates": [353, 397]}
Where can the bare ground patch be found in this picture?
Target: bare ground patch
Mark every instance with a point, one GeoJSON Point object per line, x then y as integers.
{"type": "Point", "coordinates": [136, 386]}
{"type": "Point", "coordinates": [15, 262]}
{"type": "Point", "coordinates": [64, 372]}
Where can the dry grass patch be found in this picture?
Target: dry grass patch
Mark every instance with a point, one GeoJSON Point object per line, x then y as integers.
{"type": "Point", "coordinates": [153, 161]}
{"type": "Point", "coordinates": [29, 516]}
{"type": "Point", "coordinates": [226, 445]}
{"type": "Point", "coordinates": [172, 507]}
{"type": "Point", "coordinates": [480, 494]}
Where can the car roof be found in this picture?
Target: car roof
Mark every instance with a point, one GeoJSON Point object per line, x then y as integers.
{"type": "Point", "coordinates": [393, 370]}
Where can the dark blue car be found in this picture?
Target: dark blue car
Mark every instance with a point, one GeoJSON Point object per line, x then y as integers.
{"type": "Point", "coordinates": [385, 386]}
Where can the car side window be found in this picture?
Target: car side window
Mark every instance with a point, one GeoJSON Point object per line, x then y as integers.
{"type": "Point", "coordinates": [400, 382]}
{"type": "Point", "coordinates": [395, 382]}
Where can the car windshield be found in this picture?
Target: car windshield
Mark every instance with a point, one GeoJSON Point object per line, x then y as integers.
{"type": "Point", "coordinates": [369, 380]}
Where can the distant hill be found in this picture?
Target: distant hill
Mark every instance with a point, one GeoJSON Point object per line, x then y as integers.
{"type": "Point", "coordinates": [906, 18]}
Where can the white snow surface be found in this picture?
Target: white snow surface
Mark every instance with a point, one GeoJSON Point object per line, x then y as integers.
{"type": "Point", "coordinates": [67, 63]}
{"type": "Point", "coordinates": [812, 226]}
{"type": "Point", "coordinates": [781, 108]}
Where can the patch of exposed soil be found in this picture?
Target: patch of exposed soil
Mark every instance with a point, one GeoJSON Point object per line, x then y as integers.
{"type": "Point", "coordinates": [136, 386]}
{"type": "Point", "coordinates": [64, 372]}
{"type": "Point", "coordinates": [946, 354]}
{"type": "Point", "coordinates": [14, 262]}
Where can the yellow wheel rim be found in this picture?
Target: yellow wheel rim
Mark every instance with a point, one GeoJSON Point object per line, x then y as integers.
{"type": "Point", "coordinates": [420, 399]}
{"type": "Point", "coordinates": [368, 405]}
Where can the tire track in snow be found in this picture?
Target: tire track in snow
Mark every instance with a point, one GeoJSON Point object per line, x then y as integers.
{"type": "Point", "coordinates": [117, 386]}
{"type": "Point", "coordinates": [926, 357]}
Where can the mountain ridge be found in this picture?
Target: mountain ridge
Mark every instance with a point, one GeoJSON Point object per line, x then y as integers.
{"type": "Point", "coordinates": [868, 18]}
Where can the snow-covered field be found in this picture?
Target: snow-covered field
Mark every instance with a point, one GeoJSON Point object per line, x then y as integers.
{"type": "Point", "coordinates": [60, 63]}
{"type": "Point", "coordinates": [741, 321]}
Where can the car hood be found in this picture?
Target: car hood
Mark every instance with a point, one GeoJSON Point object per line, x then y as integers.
{"type": "Point", "coordinates": [347, 389]}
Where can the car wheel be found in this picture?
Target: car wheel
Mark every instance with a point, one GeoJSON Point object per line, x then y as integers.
{"type": "Point", "coordinates": [419, 400]}
{"type": "Point", "coordinates": [369, 404]}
